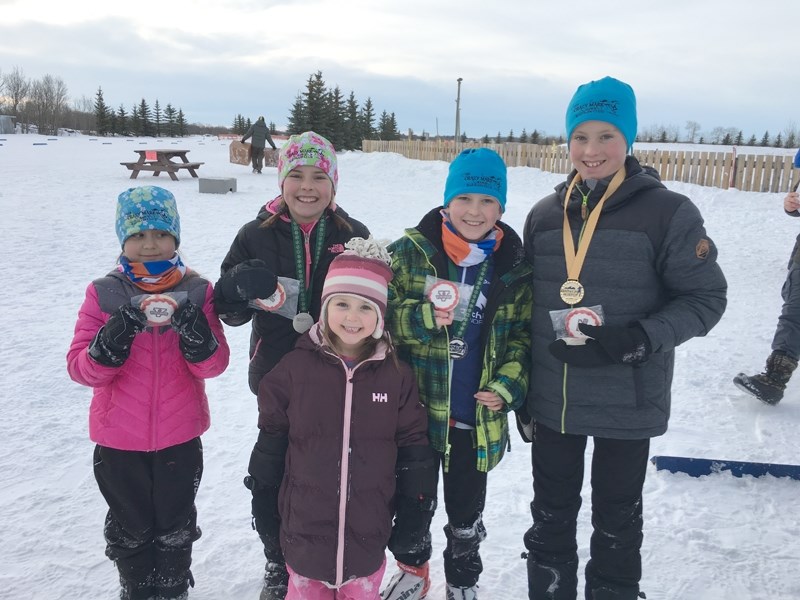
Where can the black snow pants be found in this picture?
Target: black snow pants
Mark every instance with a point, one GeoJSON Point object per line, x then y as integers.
{"type": "Point", "coordinates": [618, 471]}
{"type": "Point", "coordinates": [152, 521]}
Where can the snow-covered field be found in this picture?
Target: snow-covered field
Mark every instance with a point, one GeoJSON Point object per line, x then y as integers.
{"type": "Point", "coordinates": [714, 538]}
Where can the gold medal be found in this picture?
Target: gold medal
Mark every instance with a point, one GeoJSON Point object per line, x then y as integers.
{"type": "Point", "coordinates": [571, 291]}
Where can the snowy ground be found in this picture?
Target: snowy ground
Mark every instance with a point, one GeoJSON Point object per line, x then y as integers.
{"type": "Point", "coordinates": [714, 538]}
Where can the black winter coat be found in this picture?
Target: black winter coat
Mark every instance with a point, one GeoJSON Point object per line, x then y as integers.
{"type": "Point", "coordinates": [273, 335]}
{"type": "Point", "coordinates": [650, 261]}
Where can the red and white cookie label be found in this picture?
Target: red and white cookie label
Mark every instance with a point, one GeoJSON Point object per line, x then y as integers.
{"type": "Point", "coordinates": [577, 316]}
{"type": "Point", "coordinates": [275, 301]}
{"type": "Point", "coordinates": [158, 308]}
{"type": "Point", "coordinates": [444, 295]}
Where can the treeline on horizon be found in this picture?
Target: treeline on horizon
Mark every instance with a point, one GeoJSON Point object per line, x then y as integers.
{"type": "Point", "coordinates": [44, 104]}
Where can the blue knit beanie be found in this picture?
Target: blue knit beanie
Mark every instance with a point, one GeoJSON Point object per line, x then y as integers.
{"type": "Point", "coordinates": [609, 100]}
{"type": "Point", "coordinates": [147, 207]}
{"type": "Point", "coordinates": [477, 171]}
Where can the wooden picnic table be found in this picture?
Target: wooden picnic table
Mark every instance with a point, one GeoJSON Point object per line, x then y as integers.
{"type": "Point", "coordinates": [161, 159]}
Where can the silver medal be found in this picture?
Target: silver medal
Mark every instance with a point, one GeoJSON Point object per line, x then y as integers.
{"type": "Point", "coordinates": [302, 322]}
{"type": "Point", "coordinates": [458, 348]}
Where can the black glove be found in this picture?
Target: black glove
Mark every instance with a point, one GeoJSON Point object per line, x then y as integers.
{"type": "Point", "coordinates": [607, 345]}
{"type": "Point", "coordinates": [197, 342]}
{"type": "Point", "coordinates": [111, 345]}
{"type": "Point", "coordinates": [248, 280]}
{"type": "Point", "coordinates": [525, 424]}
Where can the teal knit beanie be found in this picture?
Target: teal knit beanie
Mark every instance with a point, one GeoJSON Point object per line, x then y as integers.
{"type": "Point", "coordinates": [609, 100]}
{"type": "Point", "coordinates": [477, 171]}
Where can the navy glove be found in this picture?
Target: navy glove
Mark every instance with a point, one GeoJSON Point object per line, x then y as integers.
{"type": "Point", "coordinates": [111, 345]}
{"type": "Point", "coordinates": [607, 345]}
{"type": "Point", "coordinates": [246, 281]}
{"type": "Point", "coordinates": [198, 342]}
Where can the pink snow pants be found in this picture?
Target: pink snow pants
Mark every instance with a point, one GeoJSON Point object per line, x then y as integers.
{"type": "Point", "coordinates": [362, 588]}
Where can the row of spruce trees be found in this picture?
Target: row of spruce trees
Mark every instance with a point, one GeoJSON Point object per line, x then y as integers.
{"type": "Point", "coordinates": [141, 121]}
{"type": "Point", "coordinates": [342, 120]}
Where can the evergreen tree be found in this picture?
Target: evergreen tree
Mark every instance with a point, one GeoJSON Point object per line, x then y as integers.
{"type": "Point", "coordinates": [663, 136]}
{"type": "Point", "coordinates": [367, 121]}
{"type": "Point", "coordinates": [485, 139]}
{"type": "Point", "coordinates": [122, 121]}
{"type": "Point", "coordinates": [726, 141]}
{"type": "Point", "coordinates": [535, 136]}
{"type": "Point", "coordinates": [765, 139]}
{"type": "Point", "coordinates": [157, 118]}
{"type": "Point", "coordinates": [135, 122]}
{"type": "Point", "coordinates": [510, 137]}
{"type": "Point", "coordinates": [739, 138]}
{"type": "Point", "coordinates": [297, 118]}
{"type": "Point", "coordinates": [146, 118]}
{"type": "Point", "coordinates": [101, 114]}
{"type": "Point", "coordinates": [778, 141]}
{"type": "Point", "coordinates": [180, 122]}
{"type": "Point", "coordinates": [701, 140]}
{"type": "Point", "coordinates": [171, 116]}
{"type": "Point", "coordinates": [751, 142]}
{"type": "Point", "coordinates": [791, 140]}
{"type": "Point", "coordinates": [523, 138]}
{"type": "Point", "coordinates": [385, 131]}
{"type": "Point", "coordinates": [499, 138]}
{"type": "Point", "coordinates": [335, 117]}
{"type": "Point", "coordinates": [316, 105]}
{"type": "Point", "coordinates": [352, 136]}
{"type": "Point", "coordinates": [273, 129]}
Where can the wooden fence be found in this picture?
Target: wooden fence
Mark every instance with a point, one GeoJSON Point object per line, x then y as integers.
{"type": "Point", "coordinates": [746, 172]}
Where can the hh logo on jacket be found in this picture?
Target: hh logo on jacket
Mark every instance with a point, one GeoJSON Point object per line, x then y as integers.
{"type": "Point", "coordinates": [378, 397]}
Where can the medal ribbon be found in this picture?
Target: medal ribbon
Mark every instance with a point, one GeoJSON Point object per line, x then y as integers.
{"type": "Point", "coordinates": [575, 260]}
{"type": "Point", "coordinates": [473, 299]}
{"type": "Point", "coordinates": [304, 297]}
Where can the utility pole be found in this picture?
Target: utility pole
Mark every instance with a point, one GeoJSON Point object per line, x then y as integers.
{"type": "Point", "coordinates": [457, 138]}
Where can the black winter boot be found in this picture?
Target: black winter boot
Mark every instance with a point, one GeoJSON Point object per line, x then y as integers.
{"type": "Point", "coordinates": [770, 385]}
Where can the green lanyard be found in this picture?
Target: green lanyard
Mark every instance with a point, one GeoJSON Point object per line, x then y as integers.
{"type": "Point", "coordinates": [473, 299]}
{"type": "Point", "coordinates": [304, 297]}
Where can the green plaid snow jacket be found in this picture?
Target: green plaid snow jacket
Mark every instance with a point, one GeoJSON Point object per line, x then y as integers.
{"type": "Point", "coordinates": [505, 335]}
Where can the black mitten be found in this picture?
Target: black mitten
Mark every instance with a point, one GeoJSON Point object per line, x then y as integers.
{"type": "Point", "coordinates": [197, 342]}
{"type": "Point", "coordinates": [111, 345]}
{"type": "Point", "coordinates": [248, 280]}
{"type": "Point", "coordinates": [607, 345]}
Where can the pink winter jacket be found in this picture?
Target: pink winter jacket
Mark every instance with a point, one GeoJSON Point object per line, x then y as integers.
{"type": "Point", "coordinates": [157, 398]}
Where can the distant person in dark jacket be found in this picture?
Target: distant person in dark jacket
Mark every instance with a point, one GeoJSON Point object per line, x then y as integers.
{"type": "Point", "coordinates": [781, 363]}
{"type": "Point", "coordinates": [343, 443]}
{"type": "Point", "coordinates": [623, 272]}
{"type": "Point", "coordinates": [260, 134]}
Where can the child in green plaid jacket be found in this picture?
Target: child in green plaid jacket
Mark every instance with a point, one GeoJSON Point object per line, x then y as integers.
{"type": "Point", "coordinates": [459, 313]}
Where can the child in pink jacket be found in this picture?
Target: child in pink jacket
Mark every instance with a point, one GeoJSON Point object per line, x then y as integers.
{"type": "Point", "coordinates": [146, 338]}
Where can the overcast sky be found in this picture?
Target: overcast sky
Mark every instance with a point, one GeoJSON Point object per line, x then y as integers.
{"type": "Point", "coordinates": [727, 63]}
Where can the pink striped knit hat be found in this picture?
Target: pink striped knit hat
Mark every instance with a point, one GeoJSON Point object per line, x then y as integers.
{"type": "Point", "coordinates": [362, 271]}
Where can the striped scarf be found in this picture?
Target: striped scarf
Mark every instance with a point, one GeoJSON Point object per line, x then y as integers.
{"type": "Point", "coordinates": [464, 253]}
{"type": "Point", "coordinates": [153, 276]}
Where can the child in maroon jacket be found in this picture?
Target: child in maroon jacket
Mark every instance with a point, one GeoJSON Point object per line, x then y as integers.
{"type": "Point", "coordinates": [344, 447]}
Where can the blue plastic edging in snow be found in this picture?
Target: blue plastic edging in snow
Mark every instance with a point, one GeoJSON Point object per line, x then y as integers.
{"type": "Point", "coordinates": [697, 467]}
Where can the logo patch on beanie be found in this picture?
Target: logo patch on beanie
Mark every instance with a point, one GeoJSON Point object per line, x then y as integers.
{"type": "Point", "coordinates": [492, 182]}
{"type": "Point", "coordinates": [594, 107]}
